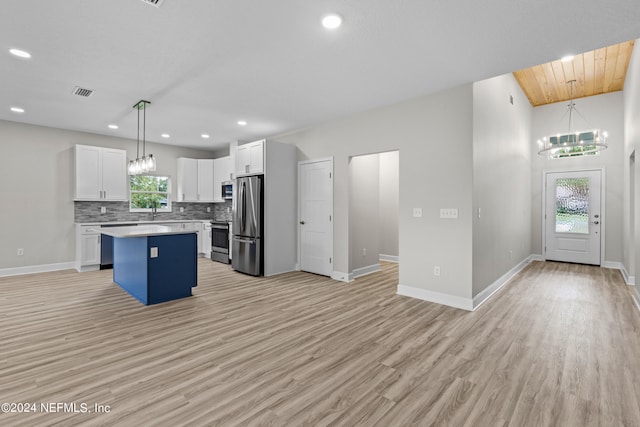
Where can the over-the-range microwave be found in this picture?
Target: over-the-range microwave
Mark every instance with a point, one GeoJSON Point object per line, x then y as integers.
{"type": "Point", "coordinates": [227, 190]}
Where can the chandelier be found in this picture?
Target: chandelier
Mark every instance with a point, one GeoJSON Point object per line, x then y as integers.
{"type": "Point", "coordinates": [573, 144]}
{"type": "Point", "coordinates": [146, 163]}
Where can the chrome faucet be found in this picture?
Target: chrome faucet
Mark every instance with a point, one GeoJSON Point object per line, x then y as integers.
{"type": "Point", "coordinates": [154, 212]}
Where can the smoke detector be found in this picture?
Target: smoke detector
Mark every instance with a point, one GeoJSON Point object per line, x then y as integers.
{"type": "Point", "coordinates": [80, 91]}
{"type": "Point", "coordinates": [156, 3]}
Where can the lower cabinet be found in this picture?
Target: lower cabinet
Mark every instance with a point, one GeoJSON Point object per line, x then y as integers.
{"type": "Point", "coordinates": [87, 248]}
{"type": "Point", "coordinates": [89, 242]}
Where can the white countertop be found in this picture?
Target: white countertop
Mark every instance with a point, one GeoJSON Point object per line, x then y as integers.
{"type": "Point", "coordinates": [141, 231]}
{"type": "Point", "coordinates": [158, 221]}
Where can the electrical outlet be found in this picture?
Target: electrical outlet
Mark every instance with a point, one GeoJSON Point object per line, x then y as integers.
{"type": "Point", "coordinates": [181, 209]}
{"type": "Point", "coordinates": [510, 254]}
{"type": "Point", "coordinates": [208, 209]}
{"type": "Point", "coordinates": [436, 270]}
{"type": "Point", "coordinates": [364, 251]}
{"type": "Point", "coordinates": [103, 210]}
{"type": "Point", "coordinates": [20, 251]}
{"type": "Point", "coordinates": [417, 212]}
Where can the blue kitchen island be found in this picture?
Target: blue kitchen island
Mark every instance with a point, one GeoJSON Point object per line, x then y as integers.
{"type": "Point", "coordinates": [154, 263]}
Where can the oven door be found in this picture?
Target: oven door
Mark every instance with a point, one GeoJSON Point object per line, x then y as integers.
{"type": "Point", "coordinates": [220, 243]}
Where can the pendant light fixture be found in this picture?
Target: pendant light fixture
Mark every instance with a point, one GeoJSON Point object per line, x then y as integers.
{"type": "Point", "coordinates": [573, 144]}
{"type": "Point", "coordinates": [146, 163]}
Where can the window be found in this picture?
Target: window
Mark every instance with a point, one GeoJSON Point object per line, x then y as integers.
{"type": "Point", "coordinates": [148, 192]}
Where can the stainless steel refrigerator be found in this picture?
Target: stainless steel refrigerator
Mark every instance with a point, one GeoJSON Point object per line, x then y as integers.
{"type": "Point", "coordinates": [247, 243]}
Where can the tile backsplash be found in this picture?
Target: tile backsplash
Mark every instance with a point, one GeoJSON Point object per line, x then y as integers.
{"type": "Point", "coordinates": [119, 211]}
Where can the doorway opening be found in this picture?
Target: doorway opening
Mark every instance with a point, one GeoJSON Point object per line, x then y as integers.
{"type": "Point", "coordinates": [374, 186]}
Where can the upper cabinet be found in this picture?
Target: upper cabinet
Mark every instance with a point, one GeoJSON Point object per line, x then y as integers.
{"type": "Point", "coordinates": [195, 180]}
{"type": "Point", "coordinates": [250, 159]}
{"type": "Point", "coordinates": [222, 172]}
{"type": "Point", "coordinates": [101, 174]}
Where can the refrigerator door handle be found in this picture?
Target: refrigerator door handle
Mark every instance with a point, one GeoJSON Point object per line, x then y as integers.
{"type": "Point", "coordinates": [241, 240]}
{"type": "Point", "coordinates": [243, 201]}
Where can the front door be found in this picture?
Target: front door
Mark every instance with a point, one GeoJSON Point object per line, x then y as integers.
{"type": "Point", "coordinates": [316, 216]}
{"type": "Point", "coordinates": [573, 216]}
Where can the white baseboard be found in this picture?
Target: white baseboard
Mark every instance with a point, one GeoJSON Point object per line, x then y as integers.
{"type": "Point", "coordinates": [390, 258]}
{"type": "Point", "coordinates": [612, 264]}
{"type": "Point", "coordinates": [359, 272]}
{"type": "Point", "coordinates": [16, 271]}
{"type": "Point", "coordinates": [343, 277]}
{"type": "Point", "coordinates": [437, 297]}
{"type": "Point", "coordinates": [629, 280]}
{"type": "Point", "coordinates": [536, 257]}
{"type": "Point", "coordinates": [488, 292]}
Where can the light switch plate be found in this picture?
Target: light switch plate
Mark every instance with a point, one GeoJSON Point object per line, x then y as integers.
{"type": "Point", "coordinates": [154, 253]}
{"type": "Point", "coordinates": [449, 213]}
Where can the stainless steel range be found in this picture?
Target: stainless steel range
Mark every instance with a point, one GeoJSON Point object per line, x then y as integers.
{"type": "Point", "coordinates": [220, 241]}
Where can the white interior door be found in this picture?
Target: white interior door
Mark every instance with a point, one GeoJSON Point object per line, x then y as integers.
{"type": "Point", "coordinates": [316, 216]}
{"type": "Point", "coordinates": [573, 216]}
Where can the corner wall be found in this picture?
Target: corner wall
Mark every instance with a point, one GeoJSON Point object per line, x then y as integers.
{"type": "Point", "coordinates": [631, 223]}
{"type": "Point", "coordinates": [501, 180]}
{"type": "Point", "coordinates": [434, 135]}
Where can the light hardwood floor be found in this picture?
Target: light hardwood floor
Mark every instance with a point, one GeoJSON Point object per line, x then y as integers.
{"type": "Point", "coordinates": [559, 345]}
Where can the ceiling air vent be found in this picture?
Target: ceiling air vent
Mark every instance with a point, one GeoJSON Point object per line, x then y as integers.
{"type": "Point", "coordinates": [155, 3]}
{"type": "Point", "coordinates": [80, 91]}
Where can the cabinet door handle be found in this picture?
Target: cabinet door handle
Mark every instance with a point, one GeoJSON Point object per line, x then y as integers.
{"type": "Point", "coordinates": [105, 194]}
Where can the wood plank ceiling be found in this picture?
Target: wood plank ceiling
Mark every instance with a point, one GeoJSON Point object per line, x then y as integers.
{"type": "Point", "coordinates": [596, 72]}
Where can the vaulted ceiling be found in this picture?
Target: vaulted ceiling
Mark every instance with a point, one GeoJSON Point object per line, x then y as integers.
{"type": "Point", "coordinates": [595, 72]}
{"type": "Point", "coordinates": [207, 64]}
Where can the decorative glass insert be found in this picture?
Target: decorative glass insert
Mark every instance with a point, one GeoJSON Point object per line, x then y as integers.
{"type": "Point", "coordinates": [572, 205]}
{"type": "Point", "coordinates": [149, 192]}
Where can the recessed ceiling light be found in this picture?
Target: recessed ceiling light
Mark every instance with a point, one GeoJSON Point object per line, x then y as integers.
{"type": "Point", "coordinates": [113, 126]}
{"type": "Point", "coordinates": [205, 136]}
{"type": "Point", "coordinates": [332, 21]}
{"type": "Point", "coordinates": [242, 122]}
{"type": "Point", "coordinates": [567, 58]}
{"type": "Point", "coordinates": [17, 109]}
{"type": "Point", "coordinates": [165, 135]}
{"type": "Point", "coordinates": [20, 53]}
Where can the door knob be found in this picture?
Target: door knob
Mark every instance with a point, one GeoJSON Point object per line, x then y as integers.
{"type": "Point", "coordinates": [596, 222]}
{"type": "Point", "coordinates": [302, 222]}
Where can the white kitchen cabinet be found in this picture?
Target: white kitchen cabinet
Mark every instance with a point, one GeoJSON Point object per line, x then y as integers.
{"type": "Point", "coordinates": [100, 174]}
{"type": "Point", "coordinates": [222, 171]}
{"type": "Point", "coordinates": [87, 248]}
{"type": "Point", "coordinates": [250, 159]}
{"type": "Point", "coordinates": [195, 180]}
{"type": "Point", "coordinates": [205, 180]}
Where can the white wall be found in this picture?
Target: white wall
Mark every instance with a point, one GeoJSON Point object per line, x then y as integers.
{"type": "Point", "coordinates": [36, 187]}
{"type": "Point", "coordinates": [364, 211]}
{"type": "Point", "coordinates": [434, 136]}
{"type": "Point", "coordinates": [631, 224]}
{"type": "Point", "coordinates": [605, 112]}
{"type": "Point", "coordinates": [389, 208]}
{"type": "Point", "coordinates": [501, 179]}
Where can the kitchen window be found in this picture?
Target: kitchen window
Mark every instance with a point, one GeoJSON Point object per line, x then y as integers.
{"type": "Point", "coordinates": [149, 192]}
